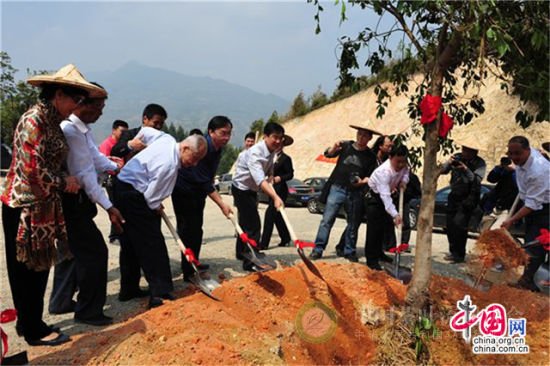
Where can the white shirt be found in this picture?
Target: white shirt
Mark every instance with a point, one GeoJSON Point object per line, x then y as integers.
{"type": "Point", "coordinates": [85, 160]}
{"type": "Point", "coordinates": [383, 180]}
{"type": "Point", "coordinates": [154, 170]}
{"type": "Point", "coordinates": [533, 179]}
{"type": "Point", "coordinates": [253, 167]}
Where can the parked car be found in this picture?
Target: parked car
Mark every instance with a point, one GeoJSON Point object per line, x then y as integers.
{"type": "Point", "coordinates": [440, 212]}
{"type": "Point", "coordinates": [298, 193]}
{"type": "Point", "coordinates": [316, 182]}
{"type": "Point", "coordinates": [224, 185]}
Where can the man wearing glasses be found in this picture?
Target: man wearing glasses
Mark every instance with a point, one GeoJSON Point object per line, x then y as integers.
{"type": "Point", "coordinates": [192, 187]}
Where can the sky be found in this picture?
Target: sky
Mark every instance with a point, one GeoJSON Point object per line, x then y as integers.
{"type": "Point", "coordinates": [270, 47]}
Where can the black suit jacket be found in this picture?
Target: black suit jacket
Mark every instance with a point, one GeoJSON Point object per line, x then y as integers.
{"type": "Point", "coordinates": [284, 169]}
{"type": "Point", "coordinates": [121, 148]}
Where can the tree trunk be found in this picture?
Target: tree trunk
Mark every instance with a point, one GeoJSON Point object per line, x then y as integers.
{"type": "Point", "coordinates": [418, 293]}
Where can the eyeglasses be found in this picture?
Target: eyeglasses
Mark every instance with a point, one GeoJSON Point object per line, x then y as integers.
{"type": "Point", "coordinates": [222, 133]}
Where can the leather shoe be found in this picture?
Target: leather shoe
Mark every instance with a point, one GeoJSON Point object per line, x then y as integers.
{"type": "Point", "coordinates": [127, 296]}
{"type": "Point", "coordinates": [168, 296]}
{"type": "Point", "coordinates": [155, 302]}
{"type": "Point", "coordinates": [60, 339]}
{"type": "Point", "coordinates": [374, 265]}
{"type": "Point", "coordinates": [339, 252]}
{"type": "Point", "coordinates": [97, 321]}
{"type": "Point", "coordinates": [456, 260]}
{"type": "Point", "coordinates": [315, 255]}
{"type": "Point", "coordinates": [448, 257]}
{"type": "Point", "coordinates": [386, 258]}
{"type": "Point", "coordinates": [352, 258]}
{"type": "Point", "coordinates": [284, 244]}
{"type": "Point", "coordinates": [203, 267]}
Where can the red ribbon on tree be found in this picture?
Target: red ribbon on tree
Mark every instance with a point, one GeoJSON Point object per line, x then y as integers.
{"type": "Point", "coordinates": [5, 317]}
{"type": "Point", "coordinates": [246, 239]}
{"type": "Point", "coordinates": [190, 256]}
{"type": "Point", "coordinates": [303, 244]}
{"type": "Point", "coordinates": [429, 106]}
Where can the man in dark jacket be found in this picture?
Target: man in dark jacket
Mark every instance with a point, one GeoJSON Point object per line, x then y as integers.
{"type": "Point", "coordinates": [467, 170]}
{"type": "Point", "coordinates": [130, 142]}
{"type": "Point", "coordinates": [282, 172]}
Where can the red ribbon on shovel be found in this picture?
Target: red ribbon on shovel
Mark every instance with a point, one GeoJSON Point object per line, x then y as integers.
{"type": "Point", "coordinates": [246, 239]}
{"type": "Point", "coordinates": [544, 239]}
{"type": "Point", "coordinates": [190, 256]}
{"type": "Point", "coordinates": [5, 317]}
{"type": "Point", "coordinates": [400, 248]}
{"type": "Point", "coordinates": [303, 244]}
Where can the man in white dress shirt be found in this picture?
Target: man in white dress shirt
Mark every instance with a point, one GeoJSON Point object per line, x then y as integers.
{"type": "Point", "coordinates": [533, 180]}
{"type": "Point", "coordinates": [141, 186]}
{"type": "Point", "coordinates": [385, 180]}
{"type": "Point", "coordinates": [252, 173]}
{"type": "Point", "coordinates": [89, 266]}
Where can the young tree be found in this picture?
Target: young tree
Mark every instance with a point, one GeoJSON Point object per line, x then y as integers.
{"type": "Point", "coordinates": [469, 39]}
{"type": "Point", "coordinates": [274, 117]}
{"type": "Point", "coordinates": [257, 126]}
{"type": "Point", "coordinates": [318, 99]}
{"type": "Point", "coordinates": [299, 107]}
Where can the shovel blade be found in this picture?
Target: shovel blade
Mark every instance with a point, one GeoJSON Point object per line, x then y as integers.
{"type": "Point", "coordinates": [261, 261]}
{"type": "Point", "coordinates": [309, 264]}
{"type": "Point", "coordinates": [403, 274]}
{"type": "Point", "coordinates": [206, 286]}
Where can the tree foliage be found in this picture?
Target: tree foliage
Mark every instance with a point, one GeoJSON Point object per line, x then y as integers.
{"type": "Point", "coordinates": [318, 99]}
{"type": "Point", "coordinates": [445, 40]}
{"type": "Point", "coordinates": [176, 132]}
{"type": "Point", "coordinates": [257, 126]}
{"type": "Point", "coordinates": [15, 97]}
{"type": "Point", "coordinates": [299, 107]}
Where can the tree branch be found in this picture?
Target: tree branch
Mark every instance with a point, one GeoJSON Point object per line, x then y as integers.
{"type": "Point", "coordinates": [391, 9]}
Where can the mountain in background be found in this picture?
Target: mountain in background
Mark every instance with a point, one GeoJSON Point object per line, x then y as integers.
{"type": "Point", "coordinates": [189, 100]}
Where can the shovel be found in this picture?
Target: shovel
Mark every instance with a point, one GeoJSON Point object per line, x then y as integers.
{"type": "Point", "coordinates": [263, 263]}
{"type": "Point", "coordinates": [205, 285]}
{"type": "Point", "coordinates": [403, 274]}
{"type": "Point", "coordinates": [300, 245]}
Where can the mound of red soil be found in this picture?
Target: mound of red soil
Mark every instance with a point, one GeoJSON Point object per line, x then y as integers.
{"type": "Point", "coordinates": [291, 317]}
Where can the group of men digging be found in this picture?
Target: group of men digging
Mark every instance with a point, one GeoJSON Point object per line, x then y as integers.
{"type": "Point", "coordinates": [151, 166]}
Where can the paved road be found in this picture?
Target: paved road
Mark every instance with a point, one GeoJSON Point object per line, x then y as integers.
{"type": "Point", "coordinates": [219, 252]}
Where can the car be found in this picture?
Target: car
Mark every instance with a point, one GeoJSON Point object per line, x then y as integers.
{"type": "Point", "coordinates": [440, 212]}
{"type": "Point", "coordinates": [224, 185]}
{"type": "Point", "coordinates": [316, 207]}
{"type": "Point", "coordinates": [316, 182]}
{"type": "Point", "coordinates": [298, 193]}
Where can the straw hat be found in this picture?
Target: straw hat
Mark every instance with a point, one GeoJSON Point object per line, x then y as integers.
{"type": "Point", "coordinates": [381, 127]}
{"type": "Point", "coordinates": [470, 141]}
{"type": "Point", "coordinates": [287, 140]}
{"type": "Point", "coordinates": [70, 76]}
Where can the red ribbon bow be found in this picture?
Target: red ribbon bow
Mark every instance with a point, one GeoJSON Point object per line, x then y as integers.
{"type": "Point", "coordinates": [5, 317]}
{"type": "Point", "coordinates": [303, 244]}
{"type": "Point", "coordinates": [190, 256]}
{"type": "Point", "coordinates": [544, 239]}
{"type": "Point", "coordinates": [429, 106]}
{"type": "Point", "coordinates": [246, 239]}
{"type": "Point", "coordinates": [400, 248]}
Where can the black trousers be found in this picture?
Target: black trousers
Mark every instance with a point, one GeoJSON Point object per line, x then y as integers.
{"type": "Point", "coordinates": [142, 244]}
{"type": "Point", "coordinates": [27, 286]}
{"type": "Point", "coordinates": [189, 210]}
{"type": "Point", "coordinates": [90, 254]}
{"type": "Point", "coordinates": [248, 218]}
{"type": "Point", "coordinates": [377, 227]}
{"type": "Point", "coordinates": [273, 216]}
{"type": "Point", "coordinates": [533, 223]}
{"type": "Point", "coordinates": [458, 219]}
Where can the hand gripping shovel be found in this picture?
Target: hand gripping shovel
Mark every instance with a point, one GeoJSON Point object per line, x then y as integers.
{"type": "Point", "coordinates": [403, 274]}
{"type": "Point", "coordinates": [300, 245]}
{"type": "Point", "coordinates": [205, 285]}
{"type": "Point", "coordinates": [259, 259]}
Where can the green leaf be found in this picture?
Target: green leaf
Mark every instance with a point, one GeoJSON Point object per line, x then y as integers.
{"type": "Point", "coordinates": [490, 33]}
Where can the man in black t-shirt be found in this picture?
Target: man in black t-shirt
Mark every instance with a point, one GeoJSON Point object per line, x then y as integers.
{"type": "Point", "coordinates": [347, 181]}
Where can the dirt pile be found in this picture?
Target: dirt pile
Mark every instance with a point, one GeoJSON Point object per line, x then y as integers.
{"type": "Point", "coordinates": [290, 316]}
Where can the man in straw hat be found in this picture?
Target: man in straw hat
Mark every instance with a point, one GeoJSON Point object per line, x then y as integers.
{"type": "Point", "coordinates": [32, 216]}
{"type": "Point", "coordinates": [532, 172]}
{"type": "Point", "coordinates": [345, 186]}
{"type": "Point", "coordinates": [282, 172]}
{"type": "Point", "coordinates": [467, 171]}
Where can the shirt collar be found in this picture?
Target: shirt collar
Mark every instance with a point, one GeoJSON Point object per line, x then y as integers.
{"type": "Point", "coordinates": [529, 160]}
{"type": "Point", "coordinates": [264, 149]}
{"type": "Point", "coordinates": [77, 122]}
